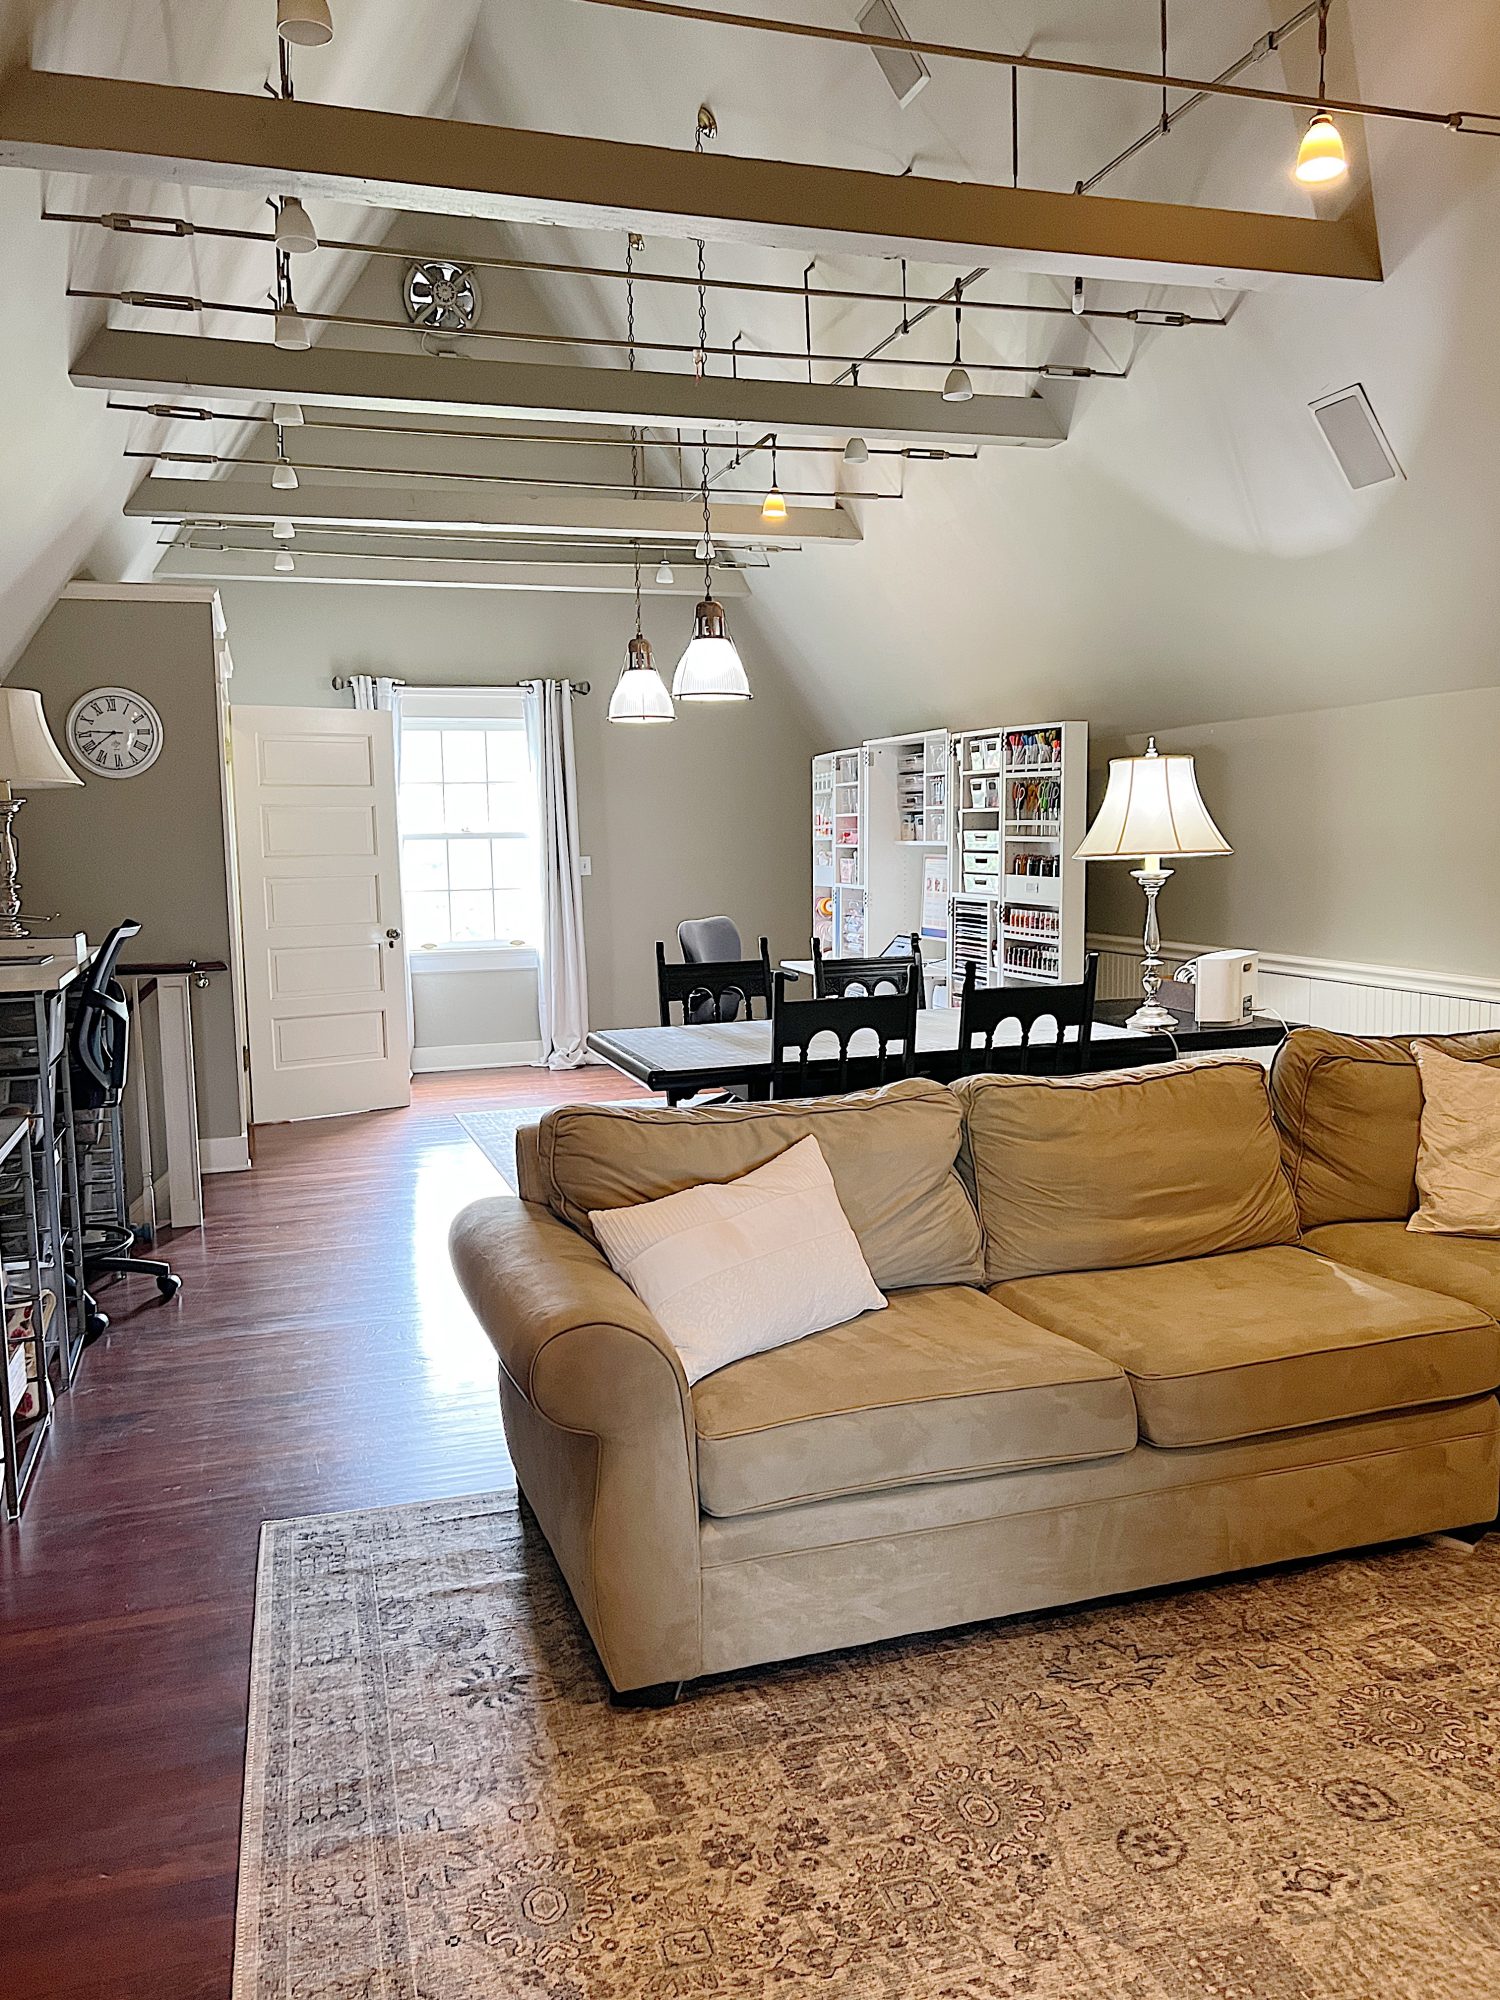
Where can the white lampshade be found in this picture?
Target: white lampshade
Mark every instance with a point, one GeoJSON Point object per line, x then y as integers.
{"type": "Point", "coordinates": [284, 476]}
{"type": "Point", "coordinates": [640, 693]}
{"type": "Point", "coordinates": [288, 415]}
{"type": "Point", "coordinates": [285, 562]}
{"type": "Point", "coordinates": [283, 529]}
{"type": "Point", "coordinates": [957, 388]}
{"type": "Point", "coordinates": [710, 668]}
{"type": "Point", "coordinates": [308, 23]}
{"type": "Point", "coordinates": [294, 228]}
{"type": "Point", "coordinates": [289, 329]}
{"type": "Point", "coordinates": [664, 572]}
{"type": "Point", "coordinates": [1152, 808]}
{"type": "Point", "coordinates": [856, 452]}
{"type": "Point", "coordinates": [1321, 157]}
{"type": "Point", "coordinates": [28, 755]}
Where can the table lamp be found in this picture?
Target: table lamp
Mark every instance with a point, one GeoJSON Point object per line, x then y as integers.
{"type": "Point", "coordinates": [29, 757]}
{"type": "Point", "coordinates": [1152, 808]}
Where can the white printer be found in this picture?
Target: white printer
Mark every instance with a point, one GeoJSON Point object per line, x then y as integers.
{"type": "Point", "coordinates": [1224, 984]}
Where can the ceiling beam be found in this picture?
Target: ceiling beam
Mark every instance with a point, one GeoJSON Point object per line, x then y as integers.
{"type": "Point", "coordinates": [442, 509]}
{"type": "Point", "coordinates": [474, 385]}
{"type": "Point", "coordinates": [268, 146]}
{"type": "Point", "coordinates": [427, 572]}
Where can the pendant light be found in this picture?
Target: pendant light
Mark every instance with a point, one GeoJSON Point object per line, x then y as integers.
{"type": "Point", "coordinates": [294, 228]}
{"type": "Point", "coordinates": [284, 563]}
{"type": "Point", "coordinates": [282, 530]}
{"type": "Point", "coordinates": [308, 23]}
{"type": "Point", "coordinates": [640, 694]}
{"type": "Point", "coordinates": [283, 474]}
{"type": "Point", "coordinates": [773, 507]}
{"type": "Point", "coordinates": [957, 388]}
{"type": "Point", "coordinates": [291, 328]}
{"type": "Point", "coordinates": [288, 415]}
{"type": "Point", "coordinates": [664, 572]}
{"type": "Point", "coordinates": [710, 668]}
{"type": "Point", "coordinates": [1320, 157]}
{"type": "Point", "coordinates": [856, 452]}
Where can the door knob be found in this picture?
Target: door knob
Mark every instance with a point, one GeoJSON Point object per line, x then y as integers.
{"type": "Point", "coordinates": [392, 938]}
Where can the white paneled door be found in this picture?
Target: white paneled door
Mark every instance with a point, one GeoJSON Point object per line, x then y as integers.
{"type": "Point", "coordinates": [320, 893]}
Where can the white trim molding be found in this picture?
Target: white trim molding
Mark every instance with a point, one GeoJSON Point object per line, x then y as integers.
{"type": "Point", "coordinates": [1348, 995]}
{"type": "Point", "coordinates": [225, 1156]}
{"type": "Point", "coordinates": [474, 1055]}
{"type": "Point", "coordinates": [426, 964]}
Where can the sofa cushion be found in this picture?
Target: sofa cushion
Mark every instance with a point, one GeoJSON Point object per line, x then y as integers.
{"type": "Point", "coordinates": [1348, 1108]}
{"type": "Point", "coordinates": [1462, 1267]}
{"type": "Point", "coordinates": [944, 1383]}
{"type": "Point", "coordinates": [891, 1152]}
{"type": "Point", "coordinates": [1085, 1173]}
{"type": "Point", "coordinates": [1266, 1340]}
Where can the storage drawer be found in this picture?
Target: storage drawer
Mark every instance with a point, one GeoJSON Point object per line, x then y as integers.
{"type": "Point", "coordinates": [1043, 889]}
{"type": "Point", "coordinates": [982, 840]}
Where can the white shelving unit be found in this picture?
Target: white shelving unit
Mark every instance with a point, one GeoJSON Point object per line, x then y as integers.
{"type": "Point", "coordinates": [907, 781]}
{"type": "Point", "coordinates": [838, 828]}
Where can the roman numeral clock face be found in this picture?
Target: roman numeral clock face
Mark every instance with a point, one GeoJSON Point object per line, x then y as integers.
{"type": "Point", "coordinates": [113, 733]}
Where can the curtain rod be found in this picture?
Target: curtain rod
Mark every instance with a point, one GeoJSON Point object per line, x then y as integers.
{"type": "Point", "coordinates": [342, 682]}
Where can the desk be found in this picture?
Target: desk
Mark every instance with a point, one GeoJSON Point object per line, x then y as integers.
{"type": "Point", "coordinates": [738, 1053]}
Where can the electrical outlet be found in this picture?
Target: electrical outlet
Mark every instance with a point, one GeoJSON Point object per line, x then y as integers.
{"type": "Point", "coordinates": [585, 864]}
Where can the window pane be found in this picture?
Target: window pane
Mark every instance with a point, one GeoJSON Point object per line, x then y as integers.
{"type": "Point", "coordinates": [511, 809]}
{"type": "Point", "coordinates": [463, 756]}
{"type": "Point", "coordinates": [473, 916]}
{"type": "Point", "coordinates": [421, 757]}
{"type": "Point", "coordinates": [514, 863]}
{"type": "Point", "coordinates": [469, 864]}
{"type": "Point", "coordinates": [422, 808]}
{"type": "Point", "coordinates": [424, 865]}
{"type": "Point", "coordinates": [465, 808]}
{"type": "Point", "coordinates": [507, 754]}
{"type": "Point", "coordinates": [516, 918]}
{"type": "Point", "coordinates": [427, 920]}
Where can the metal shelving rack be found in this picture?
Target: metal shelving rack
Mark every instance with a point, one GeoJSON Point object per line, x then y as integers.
{"type": "Point", "coordinates": [25, 1314]}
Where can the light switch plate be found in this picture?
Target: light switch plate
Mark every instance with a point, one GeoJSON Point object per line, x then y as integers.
{"type": "Point", "coordinates": [585, 864]}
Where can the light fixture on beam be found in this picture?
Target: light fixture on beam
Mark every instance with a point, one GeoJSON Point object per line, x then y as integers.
{"type": "Point", "coordinates": [856, 452]}
{"type": "Point", "coordinates": [1320, 158]}
{"type": "Point", "coordinates": [290, 328]}
{"type": "Point", "coordinates": [283, 473]}
{"type": "Point", "coordinates": [284, 564]}
{"type": "Point", "coordinates": [294, 228]}
{"type": "Point", "coordinates": [282, 529]}
{"type": "Point", "coordinates": [710, 668]}
{"type": "Point", "coordinates": [773, 507]}
{"type": "Point", "coordinates": [664, 573]}
{"type": "Point", "coordinates": [288, 415]}
{"type": "Point", "coordinates": [957, 388]}
{"type": "Point", "coordinates": [640, 694]}
{"type": "Point", "coordinates": [306, 23]}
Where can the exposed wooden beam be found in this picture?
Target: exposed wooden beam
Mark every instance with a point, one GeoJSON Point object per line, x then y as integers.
{"type": "Point", "coordinates": [263, 145]}
{"type": "Point", "coordinates": [586, 515]}
{"type": "Point", "coordinates": [474, 385]}
{"type": "Point", "coordinates": [443, 573]}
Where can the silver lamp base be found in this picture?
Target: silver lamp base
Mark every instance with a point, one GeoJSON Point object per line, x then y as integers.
{"type": "Point", "coordinates": [1151, 1017]}
{"type": "Point", "coordinates": [11, 925]}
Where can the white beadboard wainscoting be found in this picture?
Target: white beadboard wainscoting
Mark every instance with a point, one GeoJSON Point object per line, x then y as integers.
{"type": "Point", "coordinates": [1329, 993]}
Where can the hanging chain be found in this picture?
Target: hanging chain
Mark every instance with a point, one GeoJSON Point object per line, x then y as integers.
{"type": "Point", "coordinates": [708, 545]}
{"type": "Point", "coordinates": [1166, 116]}
{"type": "Point", "coordinates": [958, 322]}
{"type": "Point", "coordinates": [635, 549]}
{"type": "Point", "coordinates": [1015, 126]}
{"type": "Point", "coordinates": [1322, 49]}
{"type": "Point", "coordinates": [700, 357]}
{"type": "Point", "coordinates": [635, 435]}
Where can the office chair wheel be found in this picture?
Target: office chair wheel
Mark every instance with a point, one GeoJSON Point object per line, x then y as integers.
{"type": "Point", "coordinates": [94, 1324]}
{"type": "Point", "coordinates": [169, 1286]}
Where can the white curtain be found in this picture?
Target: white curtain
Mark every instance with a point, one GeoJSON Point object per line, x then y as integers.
{"type": "Point", "coordinates": [373, 690]}
{"type": "Point", "coordinates": [562, 982]}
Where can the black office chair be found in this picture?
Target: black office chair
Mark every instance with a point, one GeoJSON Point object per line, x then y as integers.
{"type": "Point", "coordinates": [796, 1024]}
{"type": "Point", "coordinates": [99, 1050]}
{"type": "Point", "coordinates": [983, 1011]}
{"type": "Point", "coordinates": [894, 971]}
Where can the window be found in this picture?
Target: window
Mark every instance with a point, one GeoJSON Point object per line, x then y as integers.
{"type": "Point", "coordinates": [468, 816]}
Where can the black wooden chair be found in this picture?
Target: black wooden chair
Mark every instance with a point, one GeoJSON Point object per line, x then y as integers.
{"type": "Point", "coordinates": [718, 990]}
{"type": "Point", "coordinates": [796, 1024]}
{"type": "Point", "coordinates": [833, 978]}
{"type": "Point", "coordinates": [983, 1011]}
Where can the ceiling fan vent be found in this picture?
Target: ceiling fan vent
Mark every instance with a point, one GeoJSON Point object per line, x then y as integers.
{"type": "Point", "coordinates": [441, 297]}
{"type": "Point", "coordinates": [904, 72]}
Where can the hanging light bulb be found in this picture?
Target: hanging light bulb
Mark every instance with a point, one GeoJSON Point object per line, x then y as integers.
{"type": "Point", "coordinates": [640, 694]}
{"type": "Point", "coordinates": [856, 452]}
{"type": "Point", "coordinates": [282, 529]}
{"type": "Point", "coordinates": [773, 507]}
{"type": "Point", "coordinates": [284, 563]}
{"type": "Point", "coordinates": [1320, 157]}
{"type": "Point", "coordinates": [664, 572]}
{"type": "Point", "coordinates": [288, 415]}
{"type": "Point", "coordinates": [710, 668]}
{"type": "Point", "coordinates": [957, 388]}
{"type": "Point", "coordinates": [283, 475]}
{"type": "Point", "coordinates": [294, 229]}
{"type": "Point", "coordinates": [291, 328]}
{"type": "Point", "coordinates": [308, 23]}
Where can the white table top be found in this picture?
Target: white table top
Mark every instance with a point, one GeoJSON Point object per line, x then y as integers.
{"type": "Point", "coordinates": [40, 965]}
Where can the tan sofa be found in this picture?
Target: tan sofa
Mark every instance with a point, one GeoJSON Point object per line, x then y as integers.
{"type": "Point", "coordinates": [1111, 1360]}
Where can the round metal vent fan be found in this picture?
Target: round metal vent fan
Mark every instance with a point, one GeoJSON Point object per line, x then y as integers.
{"type": "Point", "coordinates": [441, 297]}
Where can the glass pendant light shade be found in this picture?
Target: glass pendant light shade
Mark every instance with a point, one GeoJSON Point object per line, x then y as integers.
{"type": "Point", "coordinates": [710, 668]}
{"type": "Point", "coordinates": [294, 229]}
{"type": "Point", "coordinates": [291, 328]}
{"type": "Point", "coordinates": [773, 507]}
{"type": "Point", "coordinates": [284, 562]}
{"type": "Point", "coordinates": [1320, 157]}
{"type": "Point", "coordinates": [288, 415]}
{"type": "Point", "coordinates": [282, 529]}
{"type": "Point", "coordinates": [307, 23]}
{"type": "Point", "coordinates": [664, 572]}
{"type": "Point", "coordinates": [957, 388]}
{"type": "Point", "coordinates": [284, 476]}
{"type": "Point", "coordinates": [856, 452]}
{"type": "Point", "coordinates": [640, 693]}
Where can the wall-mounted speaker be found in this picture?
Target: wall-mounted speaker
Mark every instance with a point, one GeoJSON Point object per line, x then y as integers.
{"type": "Point", "coordinates": [1355, 438]}
{"type": "Point", "coordinates": [903, 70]}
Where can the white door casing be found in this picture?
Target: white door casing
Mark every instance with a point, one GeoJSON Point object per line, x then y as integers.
{"type": "Point", "coordinates": [320, 896]}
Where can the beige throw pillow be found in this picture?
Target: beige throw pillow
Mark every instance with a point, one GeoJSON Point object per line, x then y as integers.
{"type": "Point", "coordinates": [738, 1267]}
{"type": "Point", "coordinates": [1458, 1147]}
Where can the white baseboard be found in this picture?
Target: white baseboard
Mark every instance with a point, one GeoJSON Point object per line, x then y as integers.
{"type": "Point", "coordinates": [224, 1156]}
{"type": "Point", "coordinates": [474, 1055]}
{"type": "Point", "coordinates": [142, 1211]}
{"type": "Point", "coordinates": [1344, 994]}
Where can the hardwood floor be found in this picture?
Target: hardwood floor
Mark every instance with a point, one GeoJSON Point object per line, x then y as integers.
{"type": "Point", "coordinates": [320, 1356]}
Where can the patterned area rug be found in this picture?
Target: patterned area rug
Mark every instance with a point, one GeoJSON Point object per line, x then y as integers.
{"type": "Point", "coordinates": [494, 1132]}
{"type": "Point", "coordinates": [1282, 1788]}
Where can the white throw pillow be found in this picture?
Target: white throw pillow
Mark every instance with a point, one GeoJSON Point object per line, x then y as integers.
{"type": "Point", "coordinates": [736, 1268]}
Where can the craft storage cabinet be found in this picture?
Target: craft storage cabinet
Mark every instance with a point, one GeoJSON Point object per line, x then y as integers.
{"type": "Point", "coordinates": [838, 820]}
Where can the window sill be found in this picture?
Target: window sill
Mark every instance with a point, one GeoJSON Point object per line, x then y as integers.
{"type": "Point", "coordinates": [473, 958]}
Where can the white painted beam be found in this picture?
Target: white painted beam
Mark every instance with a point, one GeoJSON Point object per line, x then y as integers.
{"type": "Point", "coordinates": [262, 145]}
{"type": "Point", "coordinates": [475, 510]}
{"type": "Point", "coordinates": [475, 385]}
{"type": "Point", "coordinates": [443, 573]}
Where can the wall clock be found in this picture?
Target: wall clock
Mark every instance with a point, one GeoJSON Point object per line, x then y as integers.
{"type": "Point", "coordinates": [114, 733]}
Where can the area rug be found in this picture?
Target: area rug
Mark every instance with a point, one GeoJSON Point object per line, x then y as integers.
{"type": "Point", "coordinates": [494, 1132]}
{"type": "Point", "coordinates": [1280, 1788]}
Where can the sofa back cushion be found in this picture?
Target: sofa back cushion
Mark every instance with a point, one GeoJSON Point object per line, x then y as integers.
{"type": "Point", "coordinates": [1124, 1167]}
{"type": "Point", "coordinates": [892, 1153]}
{"type": "Point", "coordinates": [1348, 1108]}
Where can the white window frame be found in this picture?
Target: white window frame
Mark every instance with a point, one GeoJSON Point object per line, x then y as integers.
{"type": "Point", "coordinates": [447, 707]}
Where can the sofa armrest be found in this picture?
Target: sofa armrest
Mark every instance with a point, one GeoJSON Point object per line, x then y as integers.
{"type": "Point", "coordinates": [599, 1423]}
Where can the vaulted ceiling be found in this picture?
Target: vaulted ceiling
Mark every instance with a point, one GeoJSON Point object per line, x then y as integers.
{"type": "Point", "coordinates": [1190, 552]}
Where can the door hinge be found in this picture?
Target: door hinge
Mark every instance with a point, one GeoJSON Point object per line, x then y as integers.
{"type": "Point", "coordinates": [245, 1058]}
